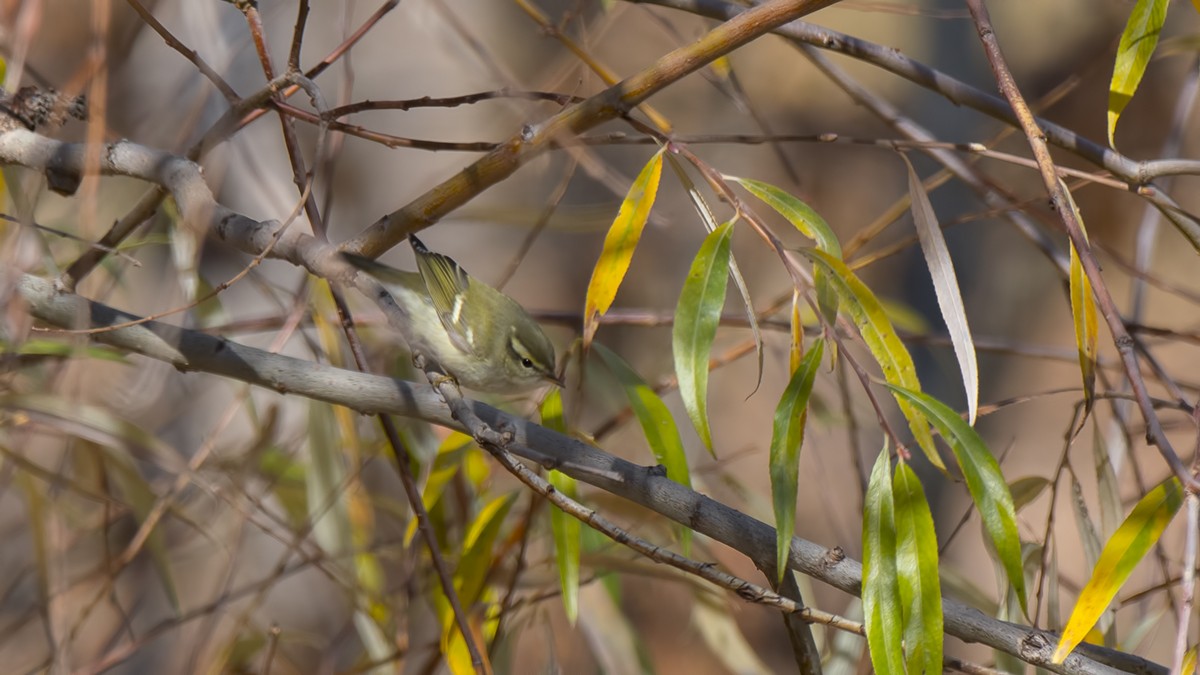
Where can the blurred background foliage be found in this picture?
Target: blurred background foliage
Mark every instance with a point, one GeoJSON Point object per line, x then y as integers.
{"type": "Point", "coordinates": [161, 522]}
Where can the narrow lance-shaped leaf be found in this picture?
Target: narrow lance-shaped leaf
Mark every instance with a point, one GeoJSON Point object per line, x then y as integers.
{"type": "Point", "coordinates": [619, 244]}
{"type": "Point", "coordinates": [796, 344]}
{"type": "Point", "coordinates": [786, 438]}
{"type": "Point", "coordinates": [735, 273]}
{"type": "Point", "coordinates": [657, 424]}
{"type": "Point", "coordinates": [1138, 41]}
{"type": "Point", "coordinates": [566, 530]}
{"type": "Point", "coordinates": [881, 339]}
{"type": "Point", "coordinates": [917, 573]}
{"type": "Point", "coordinates": [1083, 313]}
{"type": "Point", "coordinates": [568, 546]}
{"type": "Point", "coordinates": [696, 318]}
{"type": "Point", "coordinates": [1128, 545]}
{"type": "Point", "coordinates": [653, 415]}
{"type": "Point", "coordinates": [984, 482]}
{"type": "Point", "coordinates": [880, 589]}
{"type": "Point", "coordinates": [810, 224]}
{"type": "Point", "coordinates": [945, 286]}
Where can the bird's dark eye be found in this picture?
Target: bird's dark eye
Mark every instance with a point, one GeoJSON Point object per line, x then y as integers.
{"type": "Point", "coordinates": [527, 363]}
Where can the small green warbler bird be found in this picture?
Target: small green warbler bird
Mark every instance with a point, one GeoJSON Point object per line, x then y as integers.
{"type": "Point", "coordinates": [476, 334]}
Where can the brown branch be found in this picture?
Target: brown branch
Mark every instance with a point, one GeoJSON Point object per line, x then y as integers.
{"type": "Point", "coordinates": [1121, 338]}
{"type": "Point", "coordinates": [534, 139]}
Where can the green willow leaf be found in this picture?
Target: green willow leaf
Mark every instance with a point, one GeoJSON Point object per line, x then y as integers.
{"type": "Point", "coordinates": [657, 424]}
{"type": "Point", "coordinates": [882, 611]}
{"type": "Point", "coordinates": [696, 318]}
{"type": "Point", "coordinates": [881, 339]}
{"type": "Point", "coordinates": [786, 438]}
{"type": "Point", "coordinates": [566, 530]}
{"type": "Point", "coordinates": [735, 273]}
{"type": "Point", "coordinates": [917, 573]}
{"type": "Point", "coordinates": [619, 244]}
{"type": "Point", "coordinates": [985, 482]}
{"type": "Point", "coordinates": [1138, 41]}
{"type": "Point", "coordinates": [568, 546]}
{"type": "Point", "coordinates": [945, 286]}
{"type": "Point", "coordinates": [653, 415]}
{"type": "Point", "coordinates": [810, 224]}
{"type": "Point", "coordinates": [1124, 550]}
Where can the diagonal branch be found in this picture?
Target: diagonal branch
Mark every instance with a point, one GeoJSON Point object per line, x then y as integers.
{"type": "Point", "coordinates": [1037, 143]}
{"type": "Point", "coordinates": [370, 394]}
{"type": "Point", "coordinates": [613, 102]}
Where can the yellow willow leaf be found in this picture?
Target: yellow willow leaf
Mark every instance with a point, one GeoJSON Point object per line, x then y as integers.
{"type": "Point", "coordinates": [880, 337]}
{"type": "Point", "coordinates": [619, 244]}
{"type": "Point", "coordinates": [1083, 312]}
{"type": "Point", "coordinates": [1124, 550]}
{"type": "Point", "coordinates": [1138, 41]}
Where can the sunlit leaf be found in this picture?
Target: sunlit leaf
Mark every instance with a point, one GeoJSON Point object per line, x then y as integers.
{"type": "Point", "coordinates": [477, 547]}
{"type": "Point", "coordinates": [568, 543]}
{"type": "Point", "coordinates": [1083, 312]}
{"type": "Point", "coordinates": [786, 438]}
{"type": "Point", "coordinates": [917, 573]}
{"type": "Point", "coordinates": [696, 318]}
{"type": "Point", "coordinates": [657, 424]}
{"type": "Point", "coordinates": [880, 589]}
{"type": "Point", "coordinates": [63, 349]}
{"type": "Point", "coordinates": [1123, 551]}
{"type": "Point", "coordinates": [449, 460]}
{"type": "Point", "coordinates": [810, 224]}
{"type": "Point", "coordinates": [985, 482]}
{"type": "Point", "coordinates": [880, 337]}
{"type": "Point", "coordinates": [945, 286]}
{"type": "Point", "coordinates": [1133, 54]}
{"type": "Point", "coordinates": [619, 244]}
{"type": "Point", "coordinates": [710, 223]}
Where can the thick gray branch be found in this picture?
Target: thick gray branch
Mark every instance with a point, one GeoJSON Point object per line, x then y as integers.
{"type": "Point", "coordinates": [647, 486]}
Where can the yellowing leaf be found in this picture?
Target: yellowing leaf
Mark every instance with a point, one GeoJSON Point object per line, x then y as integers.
{"type": "Point", "coordinates": [1133, 54]}
{"type": "Point", "coordinates": [880, 337]}
{"type": "Point", "coordinates": [786, 439]}
{"type": "Point", "coordinates": [882, 613]}
{"type": "Point", "coordinates": [1123, 551]}
{"type": "Point", "coordinates": [471, 573]}
{"type": "Point", "coordinates": [945, 286]}
{"type": "Point", "coordinates": [696, 318]}
{"type": "Point", "coordinates": [1083, 313]}
{"type": "Point", "coordinates": [917, 573]}
{"type": "Point", "coordinates": [619, 244]}
{"type": "Point", "coordinates": [984, 482]}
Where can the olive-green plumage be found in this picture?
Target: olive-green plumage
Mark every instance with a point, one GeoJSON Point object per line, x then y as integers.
{"type": "Point", "coordinates": [478, 335]}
